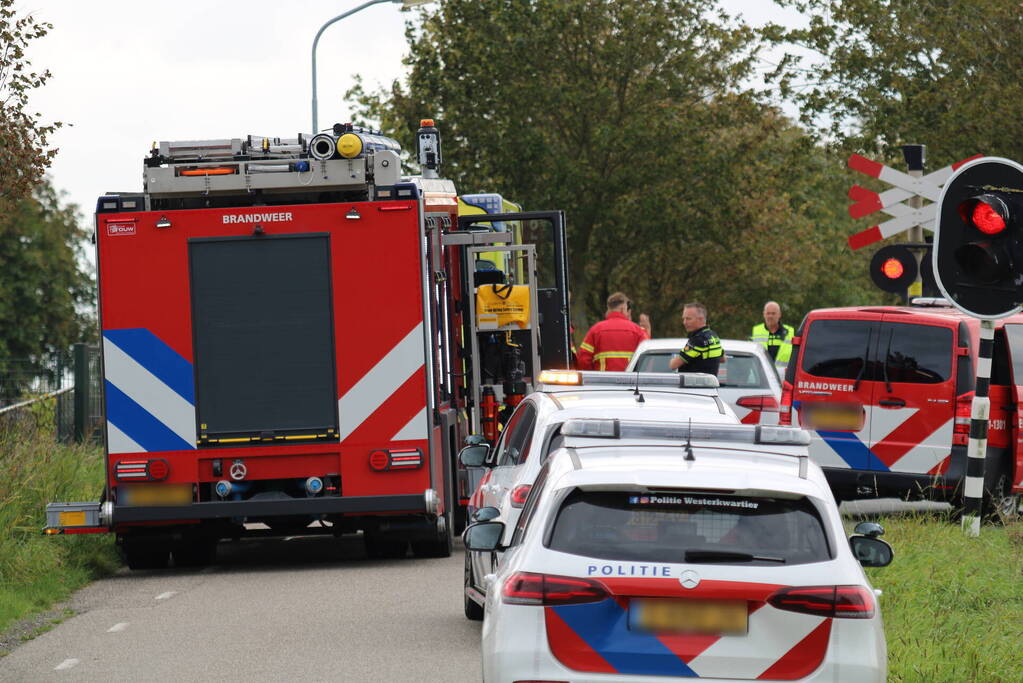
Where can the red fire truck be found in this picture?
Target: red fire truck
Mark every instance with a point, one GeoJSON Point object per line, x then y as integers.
{"type": "Point", "coordinates": [298, 339]}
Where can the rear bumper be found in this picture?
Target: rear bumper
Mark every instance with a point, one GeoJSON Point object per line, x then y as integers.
{"type": "Point", "coordinates": [410, 502]}
{"type": "Point", "coordinates": [99, 516]}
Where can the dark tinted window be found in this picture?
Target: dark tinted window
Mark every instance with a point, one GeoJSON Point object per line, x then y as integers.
{"type": "Point", "coordinates": [838, 348]}
{"type": "Point", "coordinates": [920, 354]}
{"type": "Point", "coordinates": [662, 527]}
{"type": "Point", "coordinates": [515, 444]}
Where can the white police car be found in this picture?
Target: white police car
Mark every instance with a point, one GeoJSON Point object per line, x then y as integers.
{"type": "Point", "coordinates": [721, 555]}
{"type": "Point", "coordinates": [506, 472]}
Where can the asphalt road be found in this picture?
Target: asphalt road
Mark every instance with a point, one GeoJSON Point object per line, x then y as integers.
{"type": "Point", "coordinates": [310, 609]}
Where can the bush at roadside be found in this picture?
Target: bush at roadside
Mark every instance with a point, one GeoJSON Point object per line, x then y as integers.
{"type": "Point", "coordinates": [37, 571]}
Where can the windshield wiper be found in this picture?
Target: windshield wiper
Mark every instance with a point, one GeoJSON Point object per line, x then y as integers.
{"type": "Point", "coordinates": [728, 556]}
{"type": "Point", "coordinates": [866, 353]}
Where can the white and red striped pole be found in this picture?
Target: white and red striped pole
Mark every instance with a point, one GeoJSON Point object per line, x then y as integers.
{"type": "Point", "coordinates": [980, 410]}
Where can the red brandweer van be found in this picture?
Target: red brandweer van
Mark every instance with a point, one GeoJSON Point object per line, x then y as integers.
{"type": "Point", "coordinates": [885, 391]}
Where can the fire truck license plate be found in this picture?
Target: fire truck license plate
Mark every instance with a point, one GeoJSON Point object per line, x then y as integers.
{"type": "Point", "coordinates": [833, 417]}
{"type": "Point", "coordinates": [154, 494]}
{"type": "Point", "coordinates": [726, 617]}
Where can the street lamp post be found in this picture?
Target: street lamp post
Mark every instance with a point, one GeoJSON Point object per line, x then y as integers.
{"type": "Point", "coordinates": [316, 40]}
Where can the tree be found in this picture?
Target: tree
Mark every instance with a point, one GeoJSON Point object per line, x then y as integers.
{"type": "Point", "coordinates": [891, 72]}
{"type": "Point", "coordinates": [24, 155]}
{"type": "Point", "coordinates": [632, 116]}
{"type": "Point", "coordinates": [46, 293]}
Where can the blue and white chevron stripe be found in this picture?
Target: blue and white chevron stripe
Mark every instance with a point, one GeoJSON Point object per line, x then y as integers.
{"type": "Point", "coordinates": [150, 394]}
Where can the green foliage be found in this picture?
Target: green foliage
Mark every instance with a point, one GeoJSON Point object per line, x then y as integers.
{"type": "Point", "coordinates": [24, 155]}
{"type": "Point", "coordinates": [45, 292]}
{"type": "Point", "coordinates": [631, 115]}
{"type": "Point", "coordinates": [35, 570]}
{"type": "Point", "coordinates": [952, 605]}
{"type": "Point", "coordinates": [877, 74]}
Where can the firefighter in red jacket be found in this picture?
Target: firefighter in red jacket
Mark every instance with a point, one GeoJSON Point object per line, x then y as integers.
{"type": "Point", "coordinates": [609, 344]}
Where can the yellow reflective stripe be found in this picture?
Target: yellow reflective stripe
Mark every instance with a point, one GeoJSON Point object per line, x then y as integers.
{"type": "Point", "coordinates": [614, 354]}
{"type": "Point", "coordinates": [586, 347]}
{"type": "Point", "coordinates": [691, 353]}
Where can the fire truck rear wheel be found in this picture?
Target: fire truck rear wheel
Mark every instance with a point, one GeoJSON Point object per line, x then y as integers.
{"type": "Point", "coordinates": [198, 552]}
{"type": "Point", "coordinates": [144, 554]}
{"type": "Point", "coordinates": [378, 547]}
{"type": "Point", "coordinates": [438, 547]}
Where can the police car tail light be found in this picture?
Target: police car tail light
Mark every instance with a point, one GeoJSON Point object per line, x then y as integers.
{"type": "Point", "coordinates": [785, 411]}
{"type": "Point", "coordinates": [519, 495]}
{"type": "Point", "coordinates": [560, 377]}
{"type": "Point", "coordinates": [765, 403]}
{"type": "Point", "coordinates": [527, 588]}
{"type": "Point", "coordinates": [844, 602]}
{"type": "Point", "coordinates": [961, 426]}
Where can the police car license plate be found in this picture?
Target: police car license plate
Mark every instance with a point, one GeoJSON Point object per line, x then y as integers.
{"type": "Point", "coordinates": [846, 418]}
{"type": "Point", "coordinates": [154, 494]}
{"type": "Point", "coordinates": [725, 617]}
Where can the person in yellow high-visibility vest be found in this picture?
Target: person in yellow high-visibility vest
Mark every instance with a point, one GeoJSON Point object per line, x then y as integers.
{"type": "Point", "coordinates": [773, 334]}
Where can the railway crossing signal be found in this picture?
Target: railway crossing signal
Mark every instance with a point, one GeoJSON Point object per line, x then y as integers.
{"type": "Point", "coordinates": [893, 268]}
{"type": "Point", "coordinates": [978, 238]}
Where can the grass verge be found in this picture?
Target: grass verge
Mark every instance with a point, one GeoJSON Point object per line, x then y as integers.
{"type": "Point", "coordinates": [952, 605]}
{"type": "Point", "coordinates": [38, 571]}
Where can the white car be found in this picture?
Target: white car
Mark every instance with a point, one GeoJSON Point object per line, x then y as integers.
{"type": "Point", "coordinates": [720, 555]}
{"type": "Point", "coordinates": [506, 472]}
{"type": "Point", "coordinates": [748, 379]}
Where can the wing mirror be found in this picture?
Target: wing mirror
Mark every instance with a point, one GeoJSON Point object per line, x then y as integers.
{"type": "Point", "coordinates": [871, 551]}
{"type": "Point", "coordinates": [476, 440]}
{"type": "Point", "coordinates": [473, 456]}
{"type": "Point", "coordinates": [485, 514]}
{"type": "Point", "coordinates": [484, 536]}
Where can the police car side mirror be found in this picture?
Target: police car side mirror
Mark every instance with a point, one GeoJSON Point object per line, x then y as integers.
{"type": "Point", "coordinates": [485, 514]}
{"type": "Point", "coordinates": [871, 551]}
{"type": "Point", "coordinates": [484, 536]}
{"type": "Point", "coordinates": [473, 456]}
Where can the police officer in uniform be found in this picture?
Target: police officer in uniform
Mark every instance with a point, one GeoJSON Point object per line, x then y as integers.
{"type": "Point", "coordinates": [702, 352]}
{"type": "Point", "coordinates": [773, 334]}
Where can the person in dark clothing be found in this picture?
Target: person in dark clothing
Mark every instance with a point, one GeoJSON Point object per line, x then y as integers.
{"type": "Point", "coordinates": [702, 352]}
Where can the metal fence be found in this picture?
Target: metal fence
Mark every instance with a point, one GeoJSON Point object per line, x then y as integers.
{"type": "Point", "coordinates": [73, 378]}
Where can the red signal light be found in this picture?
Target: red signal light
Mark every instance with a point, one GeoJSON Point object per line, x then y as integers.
{"type": "Point", "coordinates": [987, 218]}
{"type": "Point", "coordinates": [892, 269]}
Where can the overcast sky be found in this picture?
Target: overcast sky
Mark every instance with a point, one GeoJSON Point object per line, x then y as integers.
{"type": "Point", "coordinates": [130, 72]}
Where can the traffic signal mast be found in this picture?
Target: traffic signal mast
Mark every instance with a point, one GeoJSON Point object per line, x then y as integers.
{"type": "Point", "coordinates": [977, 258]}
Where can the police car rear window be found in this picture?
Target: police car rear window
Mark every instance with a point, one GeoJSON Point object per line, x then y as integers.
{"type": "Point", "coordinates": [680, 526]}
{"type": "Point", "coordinates": [739, 370]}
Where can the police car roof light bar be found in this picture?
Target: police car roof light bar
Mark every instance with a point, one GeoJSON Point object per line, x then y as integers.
{"type": "Point", "coordinates": [604, 428]}
{"type": "Point", "coordinates": [685, 380]}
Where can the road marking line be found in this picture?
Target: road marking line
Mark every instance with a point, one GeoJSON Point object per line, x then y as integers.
{"type": "Point", "coordinates": [66, 664]}
{"type": "Point", "coordinates": [118, 627]}
{"type": "Point", "coordinates": [164, 596]}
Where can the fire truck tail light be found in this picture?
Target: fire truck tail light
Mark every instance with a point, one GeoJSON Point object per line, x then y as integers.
{"type": "Point", "coordinates": [519, 495]}
{"type": "Point", "coordinates": [396, 459]}
{"type": "Point", "coordinates": [142, 470]}
{"type": "Point", "coordinates": [961, 425]}
{"type": "Point", "coordinates": [785, 410]}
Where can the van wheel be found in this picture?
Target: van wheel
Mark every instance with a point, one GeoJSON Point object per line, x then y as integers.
{"type": "Point", "coordinates": [1000, 504]}
{"type": "Point", "coordinates": [473, 611]}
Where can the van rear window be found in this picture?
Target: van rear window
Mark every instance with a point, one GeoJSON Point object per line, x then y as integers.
{"type": "Point", "coordinates": [838, 348]}
{"type": "Point", "coordinates": [682, 526]}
